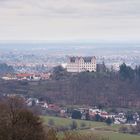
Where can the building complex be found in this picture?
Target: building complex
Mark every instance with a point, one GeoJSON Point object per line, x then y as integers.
{"type": "Point", "coordinates": [80, 64]}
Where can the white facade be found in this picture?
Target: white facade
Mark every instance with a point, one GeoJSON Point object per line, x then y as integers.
{"type": "Point", "coordinates": [80, 64]}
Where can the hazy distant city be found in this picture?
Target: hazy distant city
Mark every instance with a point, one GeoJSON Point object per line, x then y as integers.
{"type": "Point", "coordinates": [31, 57]}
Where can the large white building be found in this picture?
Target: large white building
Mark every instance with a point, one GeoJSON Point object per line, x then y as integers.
{"type": "Point", "coordinates": [80, 64]}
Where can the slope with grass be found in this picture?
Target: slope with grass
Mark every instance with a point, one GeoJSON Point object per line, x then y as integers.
{"type": "Point", "coordinates": [97, 128]}
{"type": "Point", "coordinates": [66, 122]}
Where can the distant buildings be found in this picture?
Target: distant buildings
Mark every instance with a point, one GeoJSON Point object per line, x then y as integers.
{"type": "Point", "coordinates": [34, 77]}
{"type": "Point", "coordinates": [80, 64]}
{"type": "Point", "coordinates": [27, 76]}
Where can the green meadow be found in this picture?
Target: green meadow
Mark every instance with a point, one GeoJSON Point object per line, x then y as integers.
{"type": "Point", "coordinates": [91, 127]}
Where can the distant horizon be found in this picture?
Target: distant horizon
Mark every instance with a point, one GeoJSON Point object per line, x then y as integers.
{"type": "Point", "coordinates": [67, 42]}
{"type": "Point", "coordinates": [64, 45]}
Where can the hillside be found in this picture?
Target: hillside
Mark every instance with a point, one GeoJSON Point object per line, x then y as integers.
{"type": "Point", "coordinates": [77, 89]}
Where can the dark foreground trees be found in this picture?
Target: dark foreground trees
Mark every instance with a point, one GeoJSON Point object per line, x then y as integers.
{"type": "Point", "coordinates": [17, 123]}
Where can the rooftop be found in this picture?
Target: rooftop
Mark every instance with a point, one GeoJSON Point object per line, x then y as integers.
{"type": "Point", "coordinates": [86, 59]}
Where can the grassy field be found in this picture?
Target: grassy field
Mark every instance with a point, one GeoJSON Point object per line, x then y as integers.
{"type": "Point", "coordinates": [67, 122]}
{"type": "Point", "coordinates": [99, 128]}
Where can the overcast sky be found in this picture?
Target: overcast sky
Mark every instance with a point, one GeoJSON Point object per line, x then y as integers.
{"type": "Point", "coordinates": [109, 20]}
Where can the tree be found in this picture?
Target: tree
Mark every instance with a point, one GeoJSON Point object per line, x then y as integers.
{"type": "Point", "coordinates": [87, 116]}
{"type": "Point", "coordinates": [100, 106]}
{"type": "Point", "coordinates": [108, 121]}
{"type": "Point", "coordinates": [101, 68]}
{"type": "Point", "coordinates": [126, 72]}
{"type": "Point", "coordinates": [97, 117]}
{"type": "Point", "coordinates": [138, 127]}
{"type": "Point", "coordinates": [18, 123]}
{"type": "Point", "coordinates": [129, 117]}
{"type": "Point", "coordinates": [4, 68]}
{"type": "Point", "coordinates": [58, 73]}
{"type": "Point", "coordinates": [76, 114]}
{"type": "Point", "coordinates": [137, 72]}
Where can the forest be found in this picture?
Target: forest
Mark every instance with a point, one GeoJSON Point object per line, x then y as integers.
{"type": "Point", "coordinates": [105, 87]}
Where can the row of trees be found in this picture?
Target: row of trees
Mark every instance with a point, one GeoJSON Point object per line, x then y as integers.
{"type": "Point", "coordinates": [126, 72]}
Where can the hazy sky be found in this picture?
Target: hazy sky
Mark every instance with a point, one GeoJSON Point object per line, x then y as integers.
{"type": "Point", "coordinates": [70, 20]}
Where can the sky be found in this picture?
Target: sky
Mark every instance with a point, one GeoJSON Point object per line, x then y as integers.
{"type": "Point", "coordinates": [57, 20]}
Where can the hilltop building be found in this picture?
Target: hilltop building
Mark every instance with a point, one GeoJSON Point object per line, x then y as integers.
{"type": "Point", "coordinates": [80, 64]}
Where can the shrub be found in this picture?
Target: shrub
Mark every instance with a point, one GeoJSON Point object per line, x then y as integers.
{"type": "Point", "coordinates": [73, 125]}
{"type": "Point", "coordinates": [78, 136]}
{"type": "Point", "coordinates": [51, 135]}
{"type": "Point", "coordinates": [76, 114]}
{"type": "Point", "coordinates": [108, 121]}
{"type": "Point", "coordinates": [51, 122]}
{"type": "Point", "coordinates": [63, 128]}
{"type": "Point", "coordinates": [83, 124]}
{"type": "Point", "coordinates": [124, 129]}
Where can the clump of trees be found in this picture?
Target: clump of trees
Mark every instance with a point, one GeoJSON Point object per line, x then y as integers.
{"type": "Point", "coordinates": [109, 121]}
{"type": "Point", "coordinates": [128, 73]}
{"type": "Point", "coordinates": [18, 123]}
{"type": "Point", "coordinates": [59, 73]}
{"type": "Point", "coordinates": [125, 72]}
{"type": "Point", "coordinates": [76, 114]}
{"type": "Point", "coordinates": [4, 68]}
{"type": "Point", "coordinates": [130, 129]}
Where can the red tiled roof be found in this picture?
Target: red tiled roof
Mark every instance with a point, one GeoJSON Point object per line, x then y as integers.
{"type": "Point", "coordinates": [24, 75]}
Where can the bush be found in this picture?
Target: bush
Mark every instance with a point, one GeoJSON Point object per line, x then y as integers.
{"type": "Point", "coordinates": [51, 135]}
{"type": "Point", "coordinates": [73, 125]}
{"type": "Point", "coordinates": [51, 122]}
{"type": "Point", "coordinates": [63, 128]}
{"type": "Point", "coordinates": [76, 114]}
{"type": "Point", "coordinates": [77, 136]}
{"type": "Point", "coordinates": [130, 129]}
{"type": "Point", "coordinates": [138, 127]}
{"type": "Point", "coordinates": [124, 129]}
{"type": "Point", "coordinates": [108, 121]}
{"type": "Point", "coordinates": [83, 124]}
